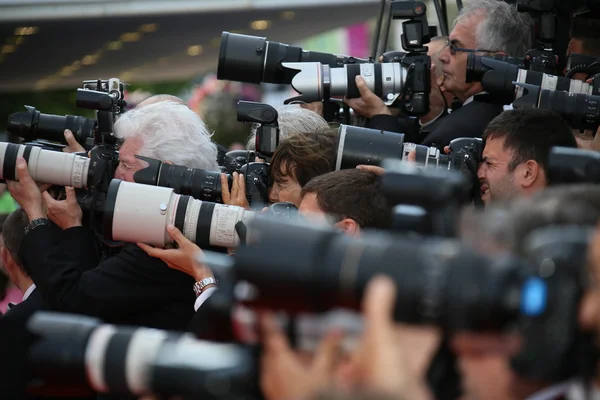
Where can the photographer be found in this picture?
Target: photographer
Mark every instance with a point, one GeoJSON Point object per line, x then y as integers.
{"type": "Point", "coordinates": [482, 26]}
{"type": "Point", "coordinates": [130, 287]}
{"type": "Point", "coordinates": [517, 144]}
{"type": "Point", "coordinates": [350, 199]}
{"type": "Point", "coordinates": [297, 160]}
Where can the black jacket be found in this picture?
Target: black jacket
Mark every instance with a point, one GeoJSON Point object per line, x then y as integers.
{"type": "Point", "coordinates": [130, 288]}
{"type": "Point", "coordinates": [15, 357]}
{"type": "Point", "coordinates": [468, 121]}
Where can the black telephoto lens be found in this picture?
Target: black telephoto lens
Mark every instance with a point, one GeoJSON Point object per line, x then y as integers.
{"type": "Point", "coordinates": [32, 125]}
{"type": "Point", "coordinates": [358, 146]}
{"type": "Point", "coordinates": [438, 282]}
{"type": "Point", "coordinates": [198, 183]}
{"type": "Point", "coordinates": [581, 111]}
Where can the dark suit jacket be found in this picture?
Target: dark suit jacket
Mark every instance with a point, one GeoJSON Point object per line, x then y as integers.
{"type": "Point", "coordinates": [130, 288]}
{"type": "Point", "coordinates": [16, 318]}
{"type": "Point", "coordinates": [26, 308]}
{"type": "Point", "coordinates": [468, 121]}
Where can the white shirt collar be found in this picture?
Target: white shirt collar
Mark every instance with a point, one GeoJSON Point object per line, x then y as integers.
{"type": "Point", "coordinates": [552, 392]}
{"type": "Point", "coordinates": [467, 101]}
{"type": "Point", "coordinates": [432, 121]}
{"type": "Point", "coordinates": [28, 292]}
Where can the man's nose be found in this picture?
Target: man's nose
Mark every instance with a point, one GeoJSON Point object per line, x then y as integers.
{"type": "Point", "coordinates": [444, 56]}
{"type": "Point", "coordinates": [480, 172]}
{"type": "Point", "coordinates": [273, 195]}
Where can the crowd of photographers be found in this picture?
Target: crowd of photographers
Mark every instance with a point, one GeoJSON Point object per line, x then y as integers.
{"type": "Point", "coordinates": [447, 248]}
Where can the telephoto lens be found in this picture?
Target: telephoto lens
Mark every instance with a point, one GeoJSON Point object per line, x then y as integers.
{"type": "Point", "coordinates": [46, 166]}
{"type": "Point", "coordinates": [315, 81]}
{"type": "Point", "coordinates": [439, 282]}
{"type": "Point", "coordinates": [134, 360]}
{"type": "Point", "coordinates": [254, 59]}
{"type": "Point", "coordinates": [356, 146]}
{"type": "Point", "coordinates": [137, 213]}
{"type": "Point", "coordinates": [198, 183]}
{"type": "Point", "coordinates": [498, 79]}
{"type": "Point", "coordinates": [32, 125]}
{"type": "Point", "coordinates": [580, 111]}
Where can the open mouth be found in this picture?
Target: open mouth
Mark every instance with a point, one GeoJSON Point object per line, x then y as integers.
{"type": "Point", "coordinates": [485, 189]}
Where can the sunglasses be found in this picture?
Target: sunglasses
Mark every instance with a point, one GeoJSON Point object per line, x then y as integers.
{"type": "Point", "coordinates": [454, 49]}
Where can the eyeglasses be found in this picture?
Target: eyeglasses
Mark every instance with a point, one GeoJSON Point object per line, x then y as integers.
{"type": "Point", "coordinates": [454, 49]}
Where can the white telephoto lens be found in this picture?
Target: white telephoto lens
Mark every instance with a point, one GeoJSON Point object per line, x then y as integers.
{"type": "Point", "coordinates": [45, 166]}
{"type": "Point", "coordinates": [224, 220]}
{"type": "Point", "coordinates": [140, 213]}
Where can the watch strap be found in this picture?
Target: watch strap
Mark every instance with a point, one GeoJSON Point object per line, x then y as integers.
{"type": "Point", "coordinates": [200, 286]}
{"type": "Point", "coordinates": [36, 223]}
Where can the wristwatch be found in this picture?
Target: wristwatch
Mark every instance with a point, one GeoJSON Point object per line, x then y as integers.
{"type": "Point", "coordinates": [199, 286]}
{"type": "Point", "coordinates": [35, 223]}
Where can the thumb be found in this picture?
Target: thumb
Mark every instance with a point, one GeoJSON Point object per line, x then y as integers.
{"type": "Point", "coordinates": [362, 87]}
{"type": "Point", "coordinates": [70, 138]}
{"type": "Point", "coordinates": [22, 171]}
{"type": "Point", "coordinates": [177, 236]}
{"type": "Point", "coordinates": [71, 197]}
{"type": "Point", "coordinates": [379, 302]}
{"type": "Point", "coordinates": [47, 198]}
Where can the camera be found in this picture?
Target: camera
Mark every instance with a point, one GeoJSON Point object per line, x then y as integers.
{"type": "Point", "coordinates": [105, 96]}
{"type": "Point", "coordinates": [500, 79]}
{"type": "Point", "coordinates": [32, 125]}
{"type": "Point", "coordinates": [140, 213]}
{"type": "Point", "coordinates": [253, 59]}
{"type": "Point", "coordinates": [205, 185]}
{"type": "Point", "coordinates": [80, 352]}
{"type": "Point", "coordinates": [438, 193]}
{"type": "Point", "coordinates": [567, 165]}
{"type": "Point", "coordinates": [319, 76]}
{"type": "Point", "coordinates": [45, 166]}
{"type": "Point", "coordinates": [439, 282]}
{"type": "Point", "coordinates": [580, 111]}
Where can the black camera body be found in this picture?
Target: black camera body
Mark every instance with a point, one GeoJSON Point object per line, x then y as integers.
{"type": "Point", "coordinates": [414, 99]}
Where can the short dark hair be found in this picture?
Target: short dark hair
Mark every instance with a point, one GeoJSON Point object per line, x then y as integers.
{"type": "Point", "coordinates": [586, 30]}
{"type": "Point", "coordinates": [530, 133]}
{"type": "Point", "coordinates": [354, 194]}
{"type": "Point", "coordinates": [13, 232]}
{"type": "Point", "coordinates": [304, 156]}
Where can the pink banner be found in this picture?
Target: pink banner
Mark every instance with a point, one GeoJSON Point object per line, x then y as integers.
{"type": "Point", "coordinates": [358, 40]}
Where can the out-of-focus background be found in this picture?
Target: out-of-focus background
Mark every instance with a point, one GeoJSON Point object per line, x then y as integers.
{"type": "Point", "coordinates": [48, 47]}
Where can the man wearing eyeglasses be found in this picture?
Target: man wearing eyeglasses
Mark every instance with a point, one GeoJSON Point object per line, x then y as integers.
{"type": "Point", "coordinates": [482, 27]}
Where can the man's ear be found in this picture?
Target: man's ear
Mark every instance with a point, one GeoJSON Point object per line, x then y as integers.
{"type": "Point", "coordinates": [349, 227]}
{"type": "Point", "coordinates": [7, 261]}
{"type": "Point", "coordinates": [529, 173]}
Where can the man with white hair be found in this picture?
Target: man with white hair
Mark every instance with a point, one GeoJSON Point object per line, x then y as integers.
{"type": "Point", "coordinates": [130, 287]}
{"type": "Point", "coordinates": [167, 131]}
